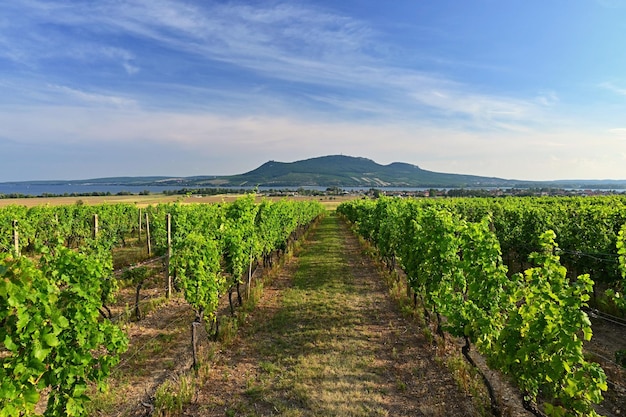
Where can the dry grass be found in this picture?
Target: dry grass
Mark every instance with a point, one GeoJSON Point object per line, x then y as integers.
{"type": "Point", "coordinates": [141, 200]}
{"type": "Point", "coordinates": [330, 202]}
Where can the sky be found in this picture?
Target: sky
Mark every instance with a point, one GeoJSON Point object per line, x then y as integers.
{"type": "Point", "coordinates": [517, 89]}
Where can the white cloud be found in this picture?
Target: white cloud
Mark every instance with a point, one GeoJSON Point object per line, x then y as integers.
{"type": "Point", "coordinates": [94, 99]}
{"type": "Point", "coordinates": [549, 98]}
{"type": "Point", "coordinates": [256, 139]}
{"type": "Point", "coordinates": [488, 112]}
{"type": "Point", "coordinates": [279, 41]}
{"type": "Point", "coordinates": [307, 67]}
{"type": "Point", "coordinates": [124, 57]}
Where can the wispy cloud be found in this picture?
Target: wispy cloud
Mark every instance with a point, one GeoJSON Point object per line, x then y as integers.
{"type": "Point", "coordinates": [123, 56]}
{"type": "Point", "coordinates": [202, 136]}
{"type": "Point", "coordinates": [485, 111]}
{"type": "Point", "coordinates": [547, 99]}
{"type": "Point", "coordinates": [278, 42]}
{"type": "Point", "coordinates": [236, 33]}
{"type": "Point", "coordinates": [85, 97]}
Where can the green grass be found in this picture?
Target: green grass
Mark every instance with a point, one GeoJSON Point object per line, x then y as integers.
{"type": "Point", "coordinates": [134, 252]}
{"type": "Point", "coordinates": [171, 396]}
{"type": "Point", "coordinates": [317, 358]}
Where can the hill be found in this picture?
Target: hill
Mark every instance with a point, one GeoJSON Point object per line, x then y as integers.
{"type": "Point", "coordinates": [348, 171]}
{"type": "Point", "coordinates": [337, 171]}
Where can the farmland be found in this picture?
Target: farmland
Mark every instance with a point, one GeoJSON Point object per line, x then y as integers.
{"type": "Point", "coordinates": [302, 319]}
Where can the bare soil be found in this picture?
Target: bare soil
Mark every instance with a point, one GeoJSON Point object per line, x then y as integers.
{"type": "Point", "coordinates": [608, 338]}
{"type": "Point", "coordinates": [159, 349]}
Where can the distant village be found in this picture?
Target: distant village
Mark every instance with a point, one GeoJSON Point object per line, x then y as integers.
{"type": "Point", "coordinates": [437, 192]}
{"type": "Point", "coordinates": [350, 192]}
{"type": "Point", "coordinates": [511, 192]}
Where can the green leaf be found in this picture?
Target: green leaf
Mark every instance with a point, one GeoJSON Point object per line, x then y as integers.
{"type": "Point", "coordinates": [31, 396]}
{"type": "Point", "coordinates": [23, 320]}
{"type": "Point", "coordinates": [50, 340]}
{"type": "Point", "coordinates": [40, 353]}
{"type": "Point", "coordinates": [587, 333]}
{"type": "Point", "coordinates": [8, 343]}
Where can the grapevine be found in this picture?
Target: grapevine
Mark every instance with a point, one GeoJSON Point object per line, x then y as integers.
{"type": "Point", "coordinates": [541, 344]}
{"type": "Point", "coordinates": [530, 326]}
{"type": "Point", "coordinates": [617, 295]}
{"type": "Point", "coordinates": [53, 332]}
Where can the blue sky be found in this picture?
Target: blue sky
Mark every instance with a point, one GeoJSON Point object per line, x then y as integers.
{"type": "Point", "coordinates": [522, 89]}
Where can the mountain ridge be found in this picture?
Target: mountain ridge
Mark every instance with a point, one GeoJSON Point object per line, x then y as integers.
{"type": "Point", "coordinates": [337, 171]}
{"type": "Point", "coordinates": [349, 171]}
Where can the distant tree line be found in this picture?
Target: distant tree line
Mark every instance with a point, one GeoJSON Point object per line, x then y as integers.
{"type": "Point", "coordinates": [206, 191]}
{"type": "Point", "coordinates": [89, 194]}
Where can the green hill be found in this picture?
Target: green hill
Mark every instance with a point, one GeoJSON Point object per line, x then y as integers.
{"type": "Point", "coordinates": [342, 171]}
{"type": "Point", "coordinates": [348, 171]}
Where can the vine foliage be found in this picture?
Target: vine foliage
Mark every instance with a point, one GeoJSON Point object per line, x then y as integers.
{"type": "Point", "coordinates": [51, 329]}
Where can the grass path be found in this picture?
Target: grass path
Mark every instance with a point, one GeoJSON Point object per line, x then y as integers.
{"type": "Point", "coordinates": [326, 340]}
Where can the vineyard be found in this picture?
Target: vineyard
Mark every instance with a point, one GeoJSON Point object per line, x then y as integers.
{"type": "Point", "coordinates": [58, 333]}
{"type": "Point", "coordinates": [515, 279]}
{"type": "Point", "coordinates": [458, 257]}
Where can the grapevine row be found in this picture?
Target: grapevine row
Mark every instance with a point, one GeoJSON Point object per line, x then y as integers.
{"type": "Point", "coordinates": [529, 325]}
{"type": "Point", "coordinates": [618, 294]}
{"type": "Point", "coordinates": [71, 225]}
{"type": "Point", "coordinates": [54, 340]}
{"type": "Point", "coordinates": [587, 229]}
{"type": "Point", "coordinates": [214, 247]}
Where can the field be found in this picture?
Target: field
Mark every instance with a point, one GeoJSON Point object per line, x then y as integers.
{"type": "Point", "coordinates": [331, 202]}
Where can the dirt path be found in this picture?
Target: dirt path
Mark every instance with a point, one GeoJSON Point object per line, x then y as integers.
{"type": "Point", "coordinates": [326, 340]}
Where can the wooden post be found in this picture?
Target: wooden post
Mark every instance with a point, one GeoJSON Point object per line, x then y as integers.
{"type": "Point", "coordinates": [194, 344]}
{"type": "Point", "coordinates": [16, 239]}
{"type": "Point", "coordinates": [168, 277]}
{"type": "Point", "coordinates": [148, 235]}
{"type": "Point", "coordinates": [249, 276]}
{"type": "Point", "coordinates": [139, 229]}
{"type": "Point", "coordinates": [137, 308]}
{"type": "Point", "coordinates": [95, 226]}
